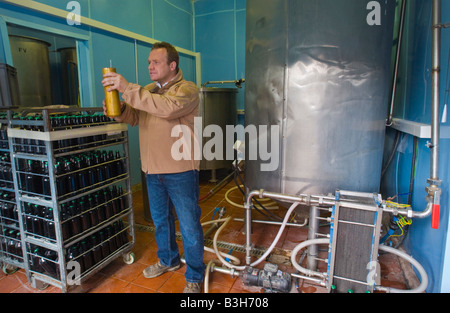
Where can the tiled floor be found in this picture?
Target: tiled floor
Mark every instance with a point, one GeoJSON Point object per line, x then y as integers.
{"type": "Point", "coordinates": [118, 277]}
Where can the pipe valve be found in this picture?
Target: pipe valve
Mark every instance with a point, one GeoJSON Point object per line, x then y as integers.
{"type": "Point", "coordinates": [434, 197]}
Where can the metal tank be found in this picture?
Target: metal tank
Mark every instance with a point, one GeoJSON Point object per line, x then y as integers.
{"type": "Point", "coordinates": [31, 59]}
{"type": "Point", "coordinates": [69, 73]}
{"type": "Point", "coordinates": [217, 107]}
{"type": "Point", "coordinates": [320, 71]}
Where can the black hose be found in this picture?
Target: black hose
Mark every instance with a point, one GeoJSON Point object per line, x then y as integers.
{"type": "Point", "coordinates": [393, 152]}
{"type": "Point", "coordinates": [272, 216]}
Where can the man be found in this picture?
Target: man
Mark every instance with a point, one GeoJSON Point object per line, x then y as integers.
{"type": "Point", "coordinates": [170, 101]}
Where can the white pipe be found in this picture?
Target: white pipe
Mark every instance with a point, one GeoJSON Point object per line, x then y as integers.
{"type": "Point", "coordinates": [268, 251]}
{"type": "Point", "coordinates": [423, 274]}
{"type": "Point", "coordinates": [207, 272]}
{"type": "Point", "coordinates": [303, 245]}
{"type": "Point", "coordinates": [226, 255]}
{"type": "Point", "coordinates": [229, 256]}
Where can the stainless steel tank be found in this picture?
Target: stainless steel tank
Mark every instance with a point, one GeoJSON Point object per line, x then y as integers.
{"type": "Point", "coordinates": [217, 107]}
{"type": "Point", "coordinates": [69, 72]}
{"type": "Point", "coordinates": [320, 71]}
{"type": "Point", "coordinates": [31, 59]}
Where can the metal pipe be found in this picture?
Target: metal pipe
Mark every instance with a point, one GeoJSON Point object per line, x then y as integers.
{"type": "Point", "coordinates": [313, 250]}
{"type": "Point", "coordinates": [330, 201]}
{"type": "Point", "coordinates": [317, 281]}
{"type": "Point", "coordinates": [224, 270]}
{"type": "Point", "coordinates": [324, 275]}
{"type": "Point", "coordinates": [433, 189]}
{"type": "Point", "coordinates": [273, 222]}
{"type": "Point", "coordinates": [436, 53]}
{"type": "Point", "coordinates": [410, 213]}
{"type": "Point", "coordinates": [248, 233]}
{"type": "Point", "coordinates": [397, 62]}
{"type": "Point", "coordinates": [302, 199]}
{"type": "Point", "coordinates": [215, 226]}
{"type": "Point", "coordinates": [238, 83]}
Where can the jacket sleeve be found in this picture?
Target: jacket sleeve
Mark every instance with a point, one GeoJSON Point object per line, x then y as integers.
{"type": "Point", "coordinates": [129, 116]}
{"type": "Point", "coordinates": [180, 100]}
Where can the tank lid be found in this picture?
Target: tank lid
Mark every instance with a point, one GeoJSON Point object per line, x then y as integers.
{"type": "Point", "coordinates": [216, 89]}
{"type": "Point", "coordinates": [31, 39]}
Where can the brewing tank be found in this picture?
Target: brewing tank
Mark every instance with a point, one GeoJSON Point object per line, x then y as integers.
{"type": "Point", "coordinates": [218, 109]}
{"type": "Point", "coordinates": [31, 59]}
{"type": "Point", "coordinates": [69, 74]}
{"type": "Point", "coordinates": [320, 72]}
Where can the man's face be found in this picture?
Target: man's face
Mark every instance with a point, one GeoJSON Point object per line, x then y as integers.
{"type": "Point", "coordinates": [158, 68]}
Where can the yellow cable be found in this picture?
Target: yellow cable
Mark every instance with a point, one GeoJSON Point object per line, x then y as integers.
{"type": "Point", "coordinates": [241, 205]}
{"type": "Point", "coordinates": [398, 205]}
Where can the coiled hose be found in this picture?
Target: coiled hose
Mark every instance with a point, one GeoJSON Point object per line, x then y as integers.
{"type": "Point", "coordinates": [423, 274]}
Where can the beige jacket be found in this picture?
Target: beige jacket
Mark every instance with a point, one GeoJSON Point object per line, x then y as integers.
{"type": "Point", "coordinates": [157, 111]}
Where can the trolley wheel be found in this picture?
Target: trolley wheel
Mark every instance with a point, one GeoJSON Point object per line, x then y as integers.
{"type": "Point", "coordinates": [128, 258]}
{"type": "Point", "coordinates": [9, 269]}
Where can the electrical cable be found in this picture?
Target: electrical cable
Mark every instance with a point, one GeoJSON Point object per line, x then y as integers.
{"type": "Point", "coordinates": [393, 152]}
{"type": "Point", "coordinates": [413, 169]}
{"type": "Point", "coordinates": [272, 216]}
{"type": "Point", "coordinates": [216, 187]}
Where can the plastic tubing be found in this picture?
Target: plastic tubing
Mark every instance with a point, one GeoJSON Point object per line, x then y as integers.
{"type": "Point", "coordinates": [423, 274]}
{"type": "Point", "coordinates": [229, 256]}
{"type": "Point", "coordinates": [207, 272]}
{"type": "Point", "coordinates": [268, 251]}
{"type": "Point", "coordinates": [303, 245]}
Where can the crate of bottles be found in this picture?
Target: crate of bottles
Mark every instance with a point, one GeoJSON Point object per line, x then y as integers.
{"type": "Point", "coordinates": [73, 193]}
{"type": "Point", "coordinates": [11, 252]}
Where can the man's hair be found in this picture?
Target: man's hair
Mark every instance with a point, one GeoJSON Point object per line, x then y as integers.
{"type": "Point", "coordinates": [172, 53]}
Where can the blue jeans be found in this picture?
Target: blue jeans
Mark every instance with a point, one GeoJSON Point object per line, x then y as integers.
{"type": "Point", "coordinates": [181, 189]}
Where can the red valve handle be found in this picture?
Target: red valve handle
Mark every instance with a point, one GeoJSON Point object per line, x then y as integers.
{"type": "Point", "coordinates": [435, 216]}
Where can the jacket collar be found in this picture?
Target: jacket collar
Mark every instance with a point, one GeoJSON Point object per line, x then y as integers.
{"type": "Point", "coordinates": [156, 87]}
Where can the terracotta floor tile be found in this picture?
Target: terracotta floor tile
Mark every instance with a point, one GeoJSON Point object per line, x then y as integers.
{"type": "Point", "coordinates": [120, 270]}
{"type": "Point", "coordinates": [10, 283]}
{"type": "Point", "coordinates": [152, 283]}
{"type": "Point", "coordinates": [109, 285]}
{"type": "Point", "coordinates": [146, 255]}
{"type": "Point", "coordinates": [175, 284]}
{"type": "Point", "coordinates": [132, 288]}
{"type": "Point", "coordinates": [222, 279]}
{"type": "Point", "coordinates": [218, 288]}
{"type": "Point", "coordinates": [27, 288]}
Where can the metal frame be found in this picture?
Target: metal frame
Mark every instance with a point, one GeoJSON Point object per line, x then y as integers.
{"type": "Point", "coordinates": [367, 198]}
{"type": "Point", "coordinates": [116, 135]}
{"type": "Point", "coordinates": [7, 257]}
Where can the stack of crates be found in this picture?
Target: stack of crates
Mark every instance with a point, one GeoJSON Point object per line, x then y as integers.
{"type": "Point", "coordinates": [72, 193]}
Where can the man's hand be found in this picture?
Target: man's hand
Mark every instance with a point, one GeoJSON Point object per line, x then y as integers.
{"type": "Point", "coordinates": [122, 104]}
{"type": "Point", "coordinates": [115, 82]}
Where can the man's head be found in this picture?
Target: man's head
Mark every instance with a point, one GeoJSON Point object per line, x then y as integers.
{"type": "Point", "coordinates": [163, 62]}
